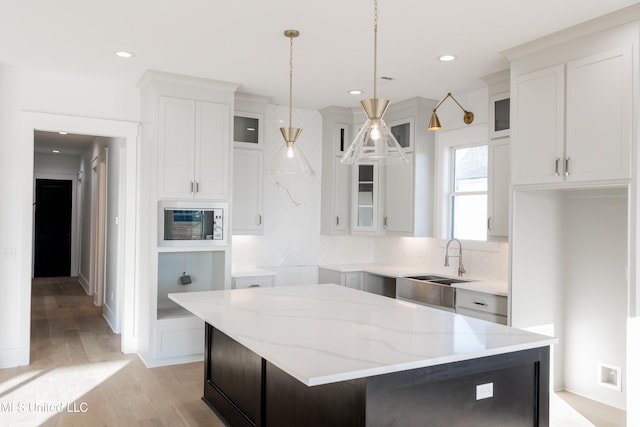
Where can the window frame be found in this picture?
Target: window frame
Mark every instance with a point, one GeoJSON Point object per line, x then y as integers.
{"type": "Point", "coordinates": [446, 143]}
{"type": "Point", "coordinates": [452, 193]}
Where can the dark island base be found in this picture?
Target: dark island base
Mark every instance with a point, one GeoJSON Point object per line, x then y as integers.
{"type": "Point", "coordinates": [249, 391]}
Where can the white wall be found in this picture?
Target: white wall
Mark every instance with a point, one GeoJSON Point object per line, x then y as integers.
{"type": "Point", "coordinates": [115, 194]}
{"type": "Point", "coordinates": [569, 281]}
{"type": "Point", "coordinates": [595, 290]}
{"type": "Point", "coordinates": [482, 260]}
{"type": "Point", "coordinates": [84, 271]}
{"type": "Point", "coordinates": [26, 90]}
{"type": "Point", "coordinates": [56, 164]}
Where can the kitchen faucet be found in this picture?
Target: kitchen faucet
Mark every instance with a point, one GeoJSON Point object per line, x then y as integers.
{"type": "Point", "coordinates": [461, 269]}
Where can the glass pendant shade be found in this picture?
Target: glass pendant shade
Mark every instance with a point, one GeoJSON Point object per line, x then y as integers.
{"type": "Point", "coordinates": [375, 140]}
{"type": "Point", "coordinates": [289, 160]}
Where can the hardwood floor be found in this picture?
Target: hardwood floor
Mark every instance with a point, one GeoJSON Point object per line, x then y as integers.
{"type": "Point", "coordinates": [78, 377]}
{"type": "Point", "coordinates": [598, 414]}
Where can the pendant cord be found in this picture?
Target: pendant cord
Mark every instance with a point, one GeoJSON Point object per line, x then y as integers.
{"type": "Point", "coordinates": [290, 78]}
{"type": "Point", "coordinates": [375, 48]}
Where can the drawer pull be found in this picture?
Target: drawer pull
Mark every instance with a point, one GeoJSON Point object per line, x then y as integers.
{"type": "Point", "coordinates": [254, 286]}
{"type": "Point", "coordinates": [479, 303]}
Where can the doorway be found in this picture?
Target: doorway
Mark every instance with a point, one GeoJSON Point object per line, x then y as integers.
{"type": "Point", "coordinates": [124, 318]}
{"type": "Point", "coordinates": [52, 243]}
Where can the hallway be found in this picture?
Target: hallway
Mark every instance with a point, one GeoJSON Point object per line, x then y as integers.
{"type": "Point", "coordinates": [78, 377]}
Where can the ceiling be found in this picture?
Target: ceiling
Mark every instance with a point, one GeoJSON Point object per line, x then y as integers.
{"type": "Point", "coordinates": [67, 145]}
{"type": "Point", "coordinates": [242, 41]}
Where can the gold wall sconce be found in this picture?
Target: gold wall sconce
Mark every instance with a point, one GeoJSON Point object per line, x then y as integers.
{"type": "Point", "coordinates": [434, 123]}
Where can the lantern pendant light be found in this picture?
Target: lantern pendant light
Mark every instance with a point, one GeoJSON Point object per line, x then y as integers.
{"type": "Point", "coordinates": [375, 140]}
{"type": "Point", "coordinates": [289, 160]}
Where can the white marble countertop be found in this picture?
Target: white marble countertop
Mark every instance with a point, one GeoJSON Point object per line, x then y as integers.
{"type": "Point", "coordinates": [321, 334]}
{"type": "Point", "coordinates": [250, 272]}
{"type": "Point", "coordinates": [486, 286]}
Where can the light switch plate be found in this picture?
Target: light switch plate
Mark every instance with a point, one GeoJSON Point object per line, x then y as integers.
{"type": "Point", "coordinates": [484, 391]}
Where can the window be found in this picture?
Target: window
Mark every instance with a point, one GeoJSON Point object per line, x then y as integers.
{"type": "Point", "coordinates": [468, 192]}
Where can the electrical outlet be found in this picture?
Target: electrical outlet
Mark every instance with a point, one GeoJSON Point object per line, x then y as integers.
{"type": "Point", "coordinates": [9, 252]}
{"type": "Point", "coordinates": [484, 391]}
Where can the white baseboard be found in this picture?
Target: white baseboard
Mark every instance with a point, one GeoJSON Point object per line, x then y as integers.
{"type": "Point", "coordinates": [13, 357]}
{"type": "Point", "coordinates": [110, 317]}
{"type": "Point", "coordinates": [85, 284]}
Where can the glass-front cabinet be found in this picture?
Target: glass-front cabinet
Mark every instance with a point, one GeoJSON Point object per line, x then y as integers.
{"type": "Point", "coordinates": [366, 204]}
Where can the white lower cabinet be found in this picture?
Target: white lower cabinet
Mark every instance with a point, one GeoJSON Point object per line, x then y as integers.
{"type": "Point", "coordinates": [179, 340]}
{"type": "Point", "coordinates": [482, 305]}
{"type": "Point", "coordinates": [350, 279]}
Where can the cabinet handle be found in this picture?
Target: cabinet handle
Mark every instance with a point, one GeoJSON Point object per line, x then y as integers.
{"type": "Point", "coordinates": [479, 303]}
{"type": "Point", "coordinates": [566, 166]}
{"type": "Point", "coordinates": [385, 221]}
{"type": "Point", "coordinates": [557, 166]}
{"type": "Point", "coordinates": [254, 286]}
{"type": "Point", "coordinates": [197, 187]}
{"type": "Point", "coordinates": [337, 220]}
{"type": "Point", "coordinates": [191, 187]}
{"type": "Point", "coordinates": [260, 220]}
{"type": "Point", "coordinates": [489, 223]}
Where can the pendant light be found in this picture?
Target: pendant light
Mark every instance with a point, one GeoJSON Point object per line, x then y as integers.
{"type": "Point", "coordinates": [375, 140]}
{"type": "Point", "coordinates": [289, 159]}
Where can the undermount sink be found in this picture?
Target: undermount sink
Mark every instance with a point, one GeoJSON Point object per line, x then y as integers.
{"type": "Point", "coordinates": [438, 279]}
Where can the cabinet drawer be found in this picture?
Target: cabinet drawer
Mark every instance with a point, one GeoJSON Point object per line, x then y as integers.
{"type": "Point", "coordinates": [252, 282]}
{"type": "Point", "coordinates": [479, 301]}
{"type": "Point", "coordinates": [495, 318]}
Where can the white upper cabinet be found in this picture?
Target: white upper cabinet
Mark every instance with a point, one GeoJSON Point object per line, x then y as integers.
{"type": "Point", "coordinates": [399, 183]}
{"type": "Point", "coordinates": [193, 149]}
{"type": "Point", "coordinates": [538, 126]}
{"type": "Point", "coordinates": [247, 191]}
{"type": "Point", "coordinates": [366, 204]}
{"type": "Point", "coordinates": [599, 103]}
{"type": "Point", "coordinates": [408, 188]}
{"type": "Point", "coordinates": [498, 188]}
{"type": "Point", "coordinates": [597, 124]}
{"type": "Point", "coordinates": [336, 176]}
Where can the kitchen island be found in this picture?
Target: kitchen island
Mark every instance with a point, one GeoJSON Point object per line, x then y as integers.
{"type": "Point", "coordinates": [326, 355]}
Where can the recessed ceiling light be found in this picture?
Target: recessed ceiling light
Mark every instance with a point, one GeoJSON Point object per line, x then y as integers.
{"type": "Point", "coordinates": [447, 58]}
{"type": "Point", "coordinates": [124, 54]}
{"type": "Point", "coordinates": [55, 151]}
{"type": "Point", "coordinates": [63, 132]}
{"type": "Point", "coordinates": [355, 92]}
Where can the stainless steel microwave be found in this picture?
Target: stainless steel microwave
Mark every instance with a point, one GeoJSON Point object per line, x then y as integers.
{"type": "Point", "coordinates": [192, 223]}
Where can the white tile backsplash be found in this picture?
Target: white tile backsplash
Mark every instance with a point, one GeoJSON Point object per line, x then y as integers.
{"type": "Point", "coordinates": [292, 221]}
